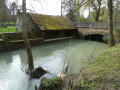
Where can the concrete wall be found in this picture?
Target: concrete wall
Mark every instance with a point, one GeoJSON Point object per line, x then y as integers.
{"type": "Point", "coordinates": [97, 25]}
{"type": "Point", "coordinates": [31, 26]}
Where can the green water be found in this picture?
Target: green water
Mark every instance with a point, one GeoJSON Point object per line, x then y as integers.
{"type": "Point", "coordinates": [52, 57]}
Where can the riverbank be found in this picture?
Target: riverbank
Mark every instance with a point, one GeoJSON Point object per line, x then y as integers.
{"type": "Point", "coordinates": [103, 73]}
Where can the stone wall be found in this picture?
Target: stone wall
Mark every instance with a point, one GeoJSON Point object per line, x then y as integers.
{"type": "Point", "coordinates": [11, 41]}
{"type": "Point", "coordinates": [98, 25]}
{"type": "Point", "coordinates": [30, 24]}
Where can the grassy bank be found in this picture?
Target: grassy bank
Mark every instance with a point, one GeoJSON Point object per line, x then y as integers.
{"type": "Point", "coordinates": [7, 29]}
{"type": "Point", "coordinates": [102, 74]}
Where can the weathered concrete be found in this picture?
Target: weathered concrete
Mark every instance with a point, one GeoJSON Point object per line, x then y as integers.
{"type": "Point", "coordinates": [96, 25]}
{"type": "Point", "coordinates": [31, 26]}
{"type": "Point", "coordinates": [94, 30]}
{"type": "Point", "coordinates": [89, 31]}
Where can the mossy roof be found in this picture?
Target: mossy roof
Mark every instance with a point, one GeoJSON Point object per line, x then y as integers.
{"type": "Point", "coordinates": [47, 22]}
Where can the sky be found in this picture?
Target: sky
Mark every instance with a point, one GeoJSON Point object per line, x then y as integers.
{"type": "Point", "coordinates": [49, 7]}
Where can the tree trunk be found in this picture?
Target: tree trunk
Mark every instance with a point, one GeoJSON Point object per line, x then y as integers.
{"type": "Point", "coordinates": [97, 13]}
{"type": "Point", "coordinates": [27, 44]}
{"type": "Point", "coordinates": [97, 19]}
{"type": "Point", "coordinates": [110, 23]}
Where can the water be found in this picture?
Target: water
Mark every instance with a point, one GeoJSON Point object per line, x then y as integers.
{"type": "Point", "coordinates": [52, 57]}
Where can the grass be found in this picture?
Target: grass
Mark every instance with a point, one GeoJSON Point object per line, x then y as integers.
{"type": "Point", "coordinates": [103, 74]}
{"type": "Point", "coordinates": [7, 29]}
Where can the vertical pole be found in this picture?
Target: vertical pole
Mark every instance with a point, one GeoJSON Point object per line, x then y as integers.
{"type": "Point", "coordinates": [27, 44]}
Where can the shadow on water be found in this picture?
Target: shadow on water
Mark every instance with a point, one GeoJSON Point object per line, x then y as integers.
{"type": "Point", "coordinates": [94, 37]}
{"type": "Point", "coordinates": [6, 57]}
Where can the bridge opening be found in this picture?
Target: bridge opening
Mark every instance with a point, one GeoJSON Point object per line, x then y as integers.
{"type": "Point", "coordinates": [94, 37]}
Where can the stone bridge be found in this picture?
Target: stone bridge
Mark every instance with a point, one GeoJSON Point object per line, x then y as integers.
{"type": "Point", "coordinates": [94, 30]}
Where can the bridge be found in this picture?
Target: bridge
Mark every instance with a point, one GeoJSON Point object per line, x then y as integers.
{"type": "Point", "coordinates": [94, 30]}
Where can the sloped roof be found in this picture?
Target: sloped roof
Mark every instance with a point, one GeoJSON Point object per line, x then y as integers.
{"type": "Point", "coordinates": [47, 22]}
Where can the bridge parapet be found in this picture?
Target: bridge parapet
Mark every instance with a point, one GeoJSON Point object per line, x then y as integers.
{"type": "Point", "coordinates": [96, 25]}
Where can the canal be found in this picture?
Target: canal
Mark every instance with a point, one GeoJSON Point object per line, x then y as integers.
{"type": "Point", "coordinates": [75, 53]}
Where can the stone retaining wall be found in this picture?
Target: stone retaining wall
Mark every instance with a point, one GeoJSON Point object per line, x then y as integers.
{"type": "Point", "coordinates": [11, 41]}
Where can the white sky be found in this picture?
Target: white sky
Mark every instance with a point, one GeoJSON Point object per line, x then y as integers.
{"type": "Point", "coordinates": [50, 7]}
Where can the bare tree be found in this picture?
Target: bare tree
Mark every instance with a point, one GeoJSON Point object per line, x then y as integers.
{"type": "Point", "coordinates": [27, 44]}
{"type": "Point", "coordinates": [96, 6]}
{"type": "Point", "coordinates": [13, 9]}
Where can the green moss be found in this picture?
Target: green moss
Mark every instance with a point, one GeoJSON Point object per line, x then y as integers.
{"type": "Point", "coordinates": [51, 22]}
{"type": "Point", "coordinates": [50, 84]}
{"type": "Point", "coordinates": [6, 42]}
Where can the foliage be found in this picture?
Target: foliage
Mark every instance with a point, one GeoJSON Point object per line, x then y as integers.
{"type": "Point", "coordinates": [71, 15]}
{"type": "Point", "coordinates": [4, 12]}
{"type": "Point", "coordinates": [50, 84]}
{"type": "Point", "coordinates": [117, 35]}
{"type": "Point", "coordinates": [68, 6]}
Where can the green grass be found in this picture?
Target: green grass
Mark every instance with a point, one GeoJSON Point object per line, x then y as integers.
{"type": "Point", "coordinates": [104, 73]}
{"type": "Point", "coordinates": [7, 29]}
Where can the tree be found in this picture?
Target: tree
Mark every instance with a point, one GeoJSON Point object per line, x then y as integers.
{"type": "Point", "coordinates": [3, 12]}
{"type": "Point", "coordinates": [27, 44]}
{"type": "Point", "coordinates": [78, 7]}
{"type": "Point", "coordinates": [68, 6]}
{"type": "Point", "coordinates": [110, 23]}
{"type": "Point", "coordinates": [96, 6]}
{"type": "Point", "coordinates": [13, 9]}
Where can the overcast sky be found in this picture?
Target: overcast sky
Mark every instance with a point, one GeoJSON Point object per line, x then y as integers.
{"type": "Point", "coordinates": [50, 7]}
